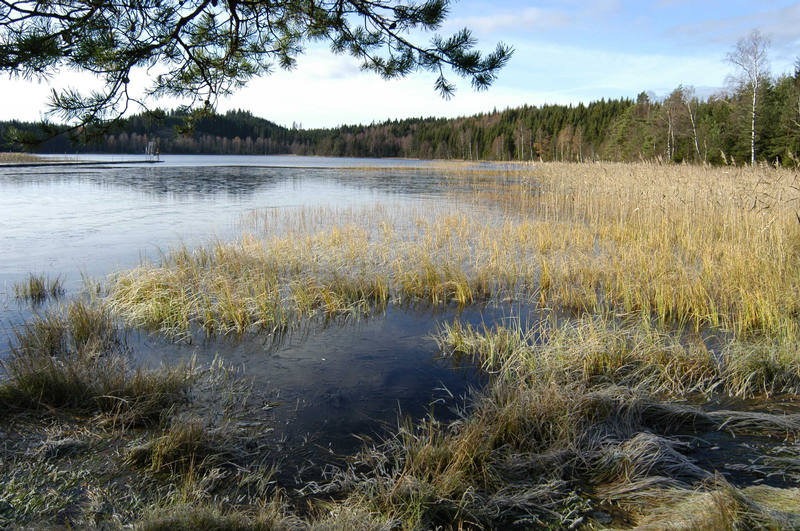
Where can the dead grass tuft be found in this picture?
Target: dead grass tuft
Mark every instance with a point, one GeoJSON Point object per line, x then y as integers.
{"type": "Point", "coordinates": [75, 359]}
{"type": "Point", "coordinates": [186, 446]}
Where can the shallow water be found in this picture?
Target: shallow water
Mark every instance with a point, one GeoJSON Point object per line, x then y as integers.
{"type": "Point", "coordinates": [323, 389]}
{"type": "Point", "coordinates": [322, 385]}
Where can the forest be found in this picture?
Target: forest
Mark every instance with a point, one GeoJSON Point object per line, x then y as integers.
{"type": "Point", "coordinates": [679, 127]}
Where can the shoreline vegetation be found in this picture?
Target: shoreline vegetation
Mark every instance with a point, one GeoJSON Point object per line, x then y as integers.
{"type": "Point", "coordinates": [39, 288]}
{"type": "Point", "coordinates": [17, 158]}
{"type": "Point", "coordinates": [682, 126]}
{"type": "Point", "coordinates": [652, 381]}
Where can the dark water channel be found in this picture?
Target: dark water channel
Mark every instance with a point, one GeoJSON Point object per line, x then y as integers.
{"type": "Point", "coordinates": [324, 389]}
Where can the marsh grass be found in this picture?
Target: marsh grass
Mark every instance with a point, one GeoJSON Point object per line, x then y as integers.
{"type": "Point", "coordinates": [38, 288]}
{"type": "Point", "coordinates": [726, 507]}
{"type": "Point", "coordinates": [535, 455]}
{"type": "Point", "coordinates": [275, 514]}
{"type": "Point", "coordinates": [597, 350]}
{"type": "Point", "coordinates": [672, 286]}
{"type": "Point", "coordinates": [6, 157]}
{"type": "Point", "coordinates": [268, 286]}
{"type": "Point", "coordinates": [188, 446]}
{"type": "Point", "coordinates": [188, 517]}
{"type": "Point", "coordinates": [699, 247]}
{"type": "Point", "coordinates": [75, 469]}
{"type": "Point", "coordinates": [591, 401]}
{"type": "Point", "coordinates": [75, 359]}
{"type": "Point", "coordinates": [540, 453]}
{"type": "Point", "coordinates": [38, 490]}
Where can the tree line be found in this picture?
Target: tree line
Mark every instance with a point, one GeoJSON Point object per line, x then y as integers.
{"type": "Point", "coordinates": [754, 120]}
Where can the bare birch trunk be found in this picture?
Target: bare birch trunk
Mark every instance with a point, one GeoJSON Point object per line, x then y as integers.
{"type": "Point", "coordinates": [669, 136]}
{"type": "Point", "coordinates": [753, 125]}
{"type": "Point", "coordinates": [694, 129]}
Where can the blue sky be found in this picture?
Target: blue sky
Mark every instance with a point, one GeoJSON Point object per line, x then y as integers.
{"type": "Point", "coordinates": [566, 52]}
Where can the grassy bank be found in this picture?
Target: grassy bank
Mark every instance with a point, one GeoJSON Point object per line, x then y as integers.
{"type": "Point", "coordinates": [18, 157]}
{"type": "Point", "coordinates": [665, 334]}
{"type": "Point", "coordinates": [75, 359]}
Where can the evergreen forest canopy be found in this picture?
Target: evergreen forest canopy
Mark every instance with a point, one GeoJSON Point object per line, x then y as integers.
{"type": "Point", "coordinates": [680, 128]}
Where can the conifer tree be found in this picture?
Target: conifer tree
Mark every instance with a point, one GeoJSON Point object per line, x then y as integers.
{"type": "Point", "coordinates": [204, 49]}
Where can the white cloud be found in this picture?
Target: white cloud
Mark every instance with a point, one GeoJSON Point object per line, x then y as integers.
{"type": "Point", "coordinates": [28, 99]}
{"type": "Point", "coordinates": [782, 24]}
{"type": "Point", "coordinates": [361, 98]}
{"type": "Point", "coordinates": [532, 18]}
{"type": "Point", "coordinates": [545, 73]}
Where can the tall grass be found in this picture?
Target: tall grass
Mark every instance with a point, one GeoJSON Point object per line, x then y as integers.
{"type": "Point", "coordinates": [38, 288]}
{"type": "Point", "coordinates": [596, 350]}
{"type": "Point", "coordinates": [75, 359]}
{"type": "Point", "coordinates": [270, 283]}
{"type": "Point", "coordinates": [18, 157]}
{"type": "Point", "coordinates": [186, 447]}
{"type": "Point", "coordinates": [695, 246]}
{"type": "Point", "coordinates": [539, 453]}
{"type": "Point", "coordinates": [702, 246]}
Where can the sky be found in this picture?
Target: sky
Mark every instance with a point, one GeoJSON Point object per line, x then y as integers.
{"type": "Point", "coordinates": [566, 52]}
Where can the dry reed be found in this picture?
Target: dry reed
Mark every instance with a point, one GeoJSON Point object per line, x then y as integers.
{"type": "Point", "coordinates": [696, 246]}
{"type": "Point", "coordinates": [6, 157]}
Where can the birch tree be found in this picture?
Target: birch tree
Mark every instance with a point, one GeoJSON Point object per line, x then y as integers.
{"type": "Point", "coordinates": [672, 109]}
{"type": "Point", "coordinates": [796, 116]}
{"type": "Point", "coordinates": [750, 57]}
{"type": "Point", "coordinates": [691, 103]}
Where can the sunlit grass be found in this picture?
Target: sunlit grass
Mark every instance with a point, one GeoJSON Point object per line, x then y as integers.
{"type": "Point", "coordinates": [6, 157]}
{"type": "Point", "coordinates": [548, 454]}
{"type": "Point", "coordinates": [694, 246]}
{"type": "Point", "coordinates": [602, 351]}
{"type": "Point", "coordinates": [185, 448]}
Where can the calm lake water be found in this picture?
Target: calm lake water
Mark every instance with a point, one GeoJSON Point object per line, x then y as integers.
{"type": "Point", "coordinates": [93, 220]}
{"type": "Point", "coordinates": [330, 383]}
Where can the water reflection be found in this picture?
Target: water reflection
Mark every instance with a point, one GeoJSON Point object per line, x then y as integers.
{"type": "Point", "coordinates": [234, 181]}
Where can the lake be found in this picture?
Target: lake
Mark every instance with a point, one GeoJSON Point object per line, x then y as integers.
{"type": "Point", "coordinates": [330, 382]}
{"type": "Point", "coordinates": [93, 220]}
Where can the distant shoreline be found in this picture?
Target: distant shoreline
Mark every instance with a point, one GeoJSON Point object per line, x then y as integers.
{"type": "Point", "coordinates": [75, 163]}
